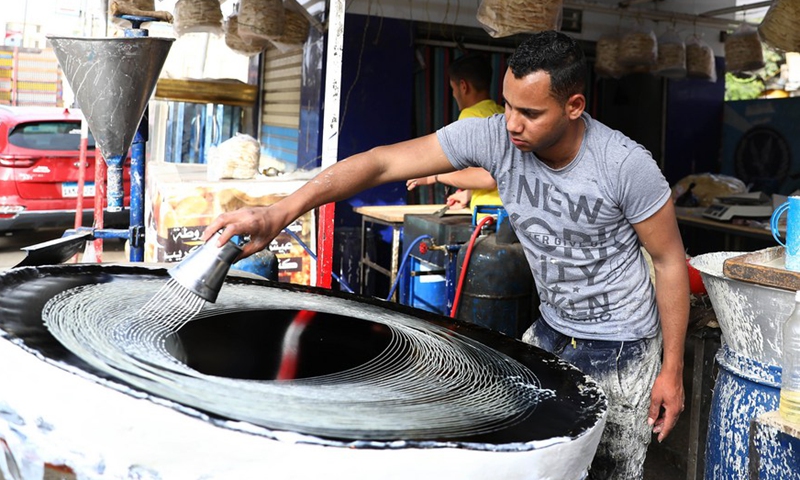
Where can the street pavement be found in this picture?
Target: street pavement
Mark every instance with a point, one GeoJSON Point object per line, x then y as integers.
{"type": "Point", "coordinates": [11, 252]}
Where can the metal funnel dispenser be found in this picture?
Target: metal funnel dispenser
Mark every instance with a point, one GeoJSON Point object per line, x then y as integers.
{"type": "Point", "coordinates": [113, 79]}
{"type": "Point", "coordinates": [203, 271]}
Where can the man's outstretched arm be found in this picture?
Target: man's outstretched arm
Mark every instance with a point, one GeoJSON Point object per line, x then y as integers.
{"type": "Point", "coordinates": [413, 158]}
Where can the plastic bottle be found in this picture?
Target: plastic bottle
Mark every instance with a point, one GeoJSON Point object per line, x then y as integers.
{"type": "Point", "coordinates": [789, 407]}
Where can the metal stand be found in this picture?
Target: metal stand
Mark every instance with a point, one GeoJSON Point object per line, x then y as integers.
{"type": "Point", "coordinates": [706, 342]}
{"type": "Point", "coordinates": [135, 232]}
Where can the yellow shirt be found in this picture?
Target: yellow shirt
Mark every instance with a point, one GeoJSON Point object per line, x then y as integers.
{"type": "Point", "coordinates": [482, 109]}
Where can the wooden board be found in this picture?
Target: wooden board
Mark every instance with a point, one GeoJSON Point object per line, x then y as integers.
{"type": "Point", "coordinates": [226, 92]}
{"type": "Point", "coordinates": [764, 267]}
{"type": "Point", "coordinates": [395, 213]}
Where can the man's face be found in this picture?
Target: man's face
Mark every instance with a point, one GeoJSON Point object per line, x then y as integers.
{"type": "Point", "coordinates": [458, 95]}
{"type": "Point", "coordinates": [535, 120]}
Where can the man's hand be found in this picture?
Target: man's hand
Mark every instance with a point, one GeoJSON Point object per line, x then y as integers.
{"type": "Point", "coordinates": [257, 223]}
{"type": "Point", "coordinates": [666, 403]}
{"type": "Point", "coordinates": [417, 182]}
{"type": "Point", "coordinates": [459, 200]}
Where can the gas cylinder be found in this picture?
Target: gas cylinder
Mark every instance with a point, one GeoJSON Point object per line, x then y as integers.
{"type": "Point", "coordinates": [498, 291]}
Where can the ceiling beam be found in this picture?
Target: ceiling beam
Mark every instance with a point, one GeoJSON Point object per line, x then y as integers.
{"type": "Point", "coordinates": [656, 15]}
{"type": "Point", "coordinates": [737, 8]}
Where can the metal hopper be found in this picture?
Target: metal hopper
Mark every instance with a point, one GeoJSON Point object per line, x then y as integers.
{"type": "Point", "coordinates": [113, 80]}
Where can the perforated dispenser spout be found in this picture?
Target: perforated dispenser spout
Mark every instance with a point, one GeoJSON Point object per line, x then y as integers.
{"type": "Point", "coordinates": [203, 271]}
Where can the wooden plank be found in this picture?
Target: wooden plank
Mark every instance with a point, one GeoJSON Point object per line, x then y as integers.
{"type": "Point", "coordinates": [694, 217]}
{"type": "Point", "coordinates": [395, 213]}
{"type": "Point", "coordinates": [764, 267]}
{"type": "Point", "coordinates": [207, 91]}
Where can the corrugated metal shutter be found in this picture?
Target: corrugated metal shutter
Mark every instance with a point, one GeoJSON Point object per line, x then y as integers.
{"type": "Point", "coordinates": [280, 121]}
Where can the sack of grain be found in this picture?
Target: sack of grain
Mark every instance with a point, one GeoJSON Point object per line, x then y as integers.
{"type": "Point", "coordinates": [607, 57]}
{"type": "Point", "coordinates": [261, 19]}
{"type": "Point", "coordinates": [671, 61]}
{"type": "Point", "coordinates": [240, 45]}
{"type": "Point", "coordinates": [502, 18]}
{"type": "Point", "coordinates": [193, 16]}
{"type": "Point", "coordinates": [139, 8]}
{"type": "Point", "coordinates": [295, 31]}
{"type": "Point", "coordinates": [235, 158]}
{"type": "Point", "coordinates": [743, 51]}
{"type": "Point", "coordinates": [779, 27]}
{"type": "Point", "coordinates": [149, 5]}
{"type": "Point", "coordinates": [638, 49]}
{"type": "Point", "coordinates": [700, 59]}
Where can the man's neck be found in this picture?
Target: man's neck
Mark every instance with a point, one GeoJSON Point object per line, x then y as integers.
{"type": "Point", "coordinates": [563, 153]}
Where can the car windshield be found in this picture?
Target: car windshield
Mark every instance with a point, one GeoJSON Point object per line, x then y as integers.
{"type": "Point", "coordinates": [52, 135]}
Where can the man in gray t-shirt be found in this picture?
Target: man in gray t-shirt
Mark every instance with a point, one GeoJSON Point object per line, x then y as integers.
{"type": "Point", "coordinates": [576, 223]}
{"type": "Point", "coordinates": [583, 199]}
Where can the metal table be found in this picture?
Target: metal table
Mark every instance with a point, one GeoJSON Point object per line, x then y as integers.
{"type": "Point", "coordinates": [391, 216]}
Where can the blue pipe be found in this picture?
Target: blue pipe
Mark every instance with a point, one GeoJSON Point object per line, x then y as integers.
{"type": "Point", "coordinates": [137, 170]}
{"type": "Point", "coordinates": [115, 193]}
{"type": "Point", "coordinates": [403, 264]}
{"type": "Point", "coordinates": [314, 257]}
{"type": "Point", "coordinates": [137, 193]}
{"type": "Point", "coordinates": [451, 275]}
{"type": "Point", "coordinates": [99, 233]}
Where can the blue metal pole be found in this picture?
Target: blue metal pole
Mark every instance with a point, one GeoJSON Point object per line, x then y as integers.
{"type": "Point", "coordinates": [137, 168]}
{"type": "Point", "coordinates": [115, 191]}
{"type": "Point", "coordinates": [451, 275]}
{"type": "Point", "coordinates": [137, 192]}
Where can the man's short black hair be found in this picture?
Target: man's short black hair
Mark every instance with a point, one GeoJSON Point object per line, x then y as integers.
{"type": "Point", "coordinates": [473, 68]}
{"type": "Point", "coordinates": [557, 54]}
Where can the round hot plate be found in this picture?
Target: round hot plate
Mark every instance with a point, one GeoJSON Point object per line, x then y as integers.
{"type": "Point", "coordinates": [129, 371]}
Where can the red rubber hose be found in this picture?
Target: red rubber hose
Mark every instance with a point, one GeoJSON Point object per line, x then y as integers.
{"type": "Point", "coordinates": [486, 220]}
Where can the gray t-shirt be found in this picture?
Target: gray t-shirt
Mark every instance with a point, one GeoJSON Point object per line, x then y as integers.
{"type": "Point", "coordinates": [576, 223]}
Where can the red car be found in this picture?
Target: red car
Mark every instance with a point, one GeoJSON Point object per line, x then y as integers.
{"type": "Point", "coordinates": [39, 163]}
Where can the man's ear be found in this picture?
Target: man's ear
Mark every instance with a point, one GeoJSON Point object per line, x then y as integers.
{"type": "Point", "coordinates": [575, 106]}
{"type": "Point", "coordinates": [464, 86]}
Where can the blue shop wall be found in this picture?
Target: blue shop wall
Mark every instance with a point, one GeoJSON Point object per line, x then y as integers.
{"type": "Point", "coordinates": [693, 130]}
{"type": "Point", "coordinates": [678, 121]}
{"type": "Point", "coordinates": [377, 103]}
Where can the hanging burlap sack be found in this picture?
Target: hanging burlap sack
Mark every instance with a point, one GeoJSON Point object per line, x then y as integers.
{"type": "Point", "coordinates": [295, 32]}
{"type": "Point", "coordinates": [139, 8]}
{"type": "Point", "coordinates": [671, 61]}
{"type": "Point", "coordinates": [502, 18]}
{"type": "Point", "coordinates": [261, 19]}
{"type": "Point", "coordinates": [700, 59]}
{"type": "Point", "coordinates": [779, 27]}
{"type": "Point", "coordinates": [147, 5]}
{"type": "Point", "coordinates": [192, 16]}
{"type": "Point", "coordinates": [237, 43]}
{"type": "Point", "coordinates": [743, 51]}
{"type": "Point", "coordinates": [607, 57]}
{"type": "Point", "coordinates": [638, 50]}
